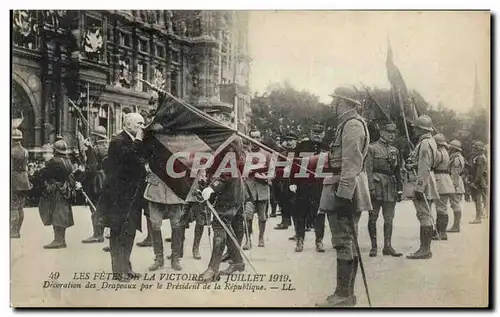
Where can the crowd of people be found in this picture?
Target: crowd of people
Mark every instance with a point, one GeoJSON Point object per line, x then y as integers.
{"type": "Point", "coordinates": [120, 188]}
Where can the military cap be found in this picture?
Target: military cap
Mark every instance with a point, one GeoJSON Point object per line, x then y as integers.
{"type": "Point", "coordinates": [318, 128]}
{"type": "Point", "coordinates": [456, 145]}
{"type": "Point", "coordinates": [346, 93]}
{"type": "Point", "coordinates": [423, 122]}
{"type": "Point", "coordinates": [17, 134]}
{"type": "Point", "coordinates": [390, 127]}
{"type": "Point", "coordinates": [289, 136]}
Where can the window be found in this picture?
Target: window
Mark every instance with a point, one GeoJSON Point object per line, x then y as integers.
{"type": "Point", "coordinates": [174, 83]}
{"type": "Point", "coordinates": [141, 73]}
{"type": "Point", "coordinates": [159, 51]}
{"type": "Point", "coordinates": [143, 45]}
{"type": "Point", "coordinates": [126, 40]}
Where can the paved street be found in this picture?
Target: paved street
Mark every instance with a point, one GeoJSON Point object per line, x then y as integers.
{"type": "Point", "coordinates": [456, 276]}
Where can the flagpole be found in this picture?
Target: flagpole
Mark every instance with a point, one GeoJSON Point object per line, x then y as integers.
{"type": "Point", "coordinates": [212, 120]}
{"type": "Point", "coordinates": [88, 110]}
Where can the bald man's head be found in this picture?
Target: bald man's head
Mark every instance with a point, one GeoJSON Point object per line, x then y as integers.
{"type": "Point", "coordinates": [133, 122]}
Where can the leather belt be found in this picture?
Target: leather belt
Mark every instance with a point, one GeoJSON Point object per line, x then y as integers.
{"type": "Point", "coordinates": [388, 173]}
{"type": "Point", "coordinates": [441, 172]}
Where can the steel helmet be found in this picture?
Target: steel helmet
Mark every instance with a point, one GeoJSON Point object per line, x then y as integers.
{"type": "Point", "coordinates": [17, 134]}
{"type": "Point", "coordinates": [61, 147]}
{"type": "Point", "coordinates": [100, 131]}
{"type": "Point", "coordinates": [347, 93]}
{"type": "Point", "coordinates": [440, 139]}
{"type": "Point", "coordinates": [456, 145]}
{"type": "Point", "coordinates": [478, 145]}
{"type": "Point", "coordinates": [423, 122]}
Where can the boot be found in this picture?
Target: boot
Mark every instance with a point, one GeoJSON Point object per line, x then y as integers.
{"type": "Point", "coordinates": [425, 245]}
{"type": "Point", "coordinates": [177, 235]}
{"type": "Point", "coordinates": [342, 297]}
{"type": "Point", "coordinates": [372, 231]}
{"type": "Point", "coordinates": [444, 225]}
{"type": "Point", "coordinates": [97, 236]}
{"type": "Point", "coordinates": [198, 233]}
{"type": "Point", "coordinates": [159, 261]}
{"type": "Point", "coordinates": [300, 245]}
{"type": "Point", "coordinates": [319, 231]}
{"type": "Point", "coordinates": [457, 216]}
{"type": "Point", "coordinates": [59, 239]}
{"type": "Point", "coordinates": [388, 249]}
{"type": "Point", "coordinates": [262, 229]}
{"type": "Point", "coordinates": [354, 272]}
{"type": "Point", "coordinates": [148, 241]}
{"type": "Point", "coordinates": [210, 275]}
{"type": "Point", "coordinates": [319, 246]}
{"type": "Point", "coordinates": [281, 226]}
{"type": "Point", "coordinates": [219, 244]}
{"type": "Point", "coordinates": [237, 267]}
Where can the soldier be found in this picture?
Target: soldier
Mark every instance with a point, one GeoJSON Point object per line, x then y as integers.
{"type": "Point", "coordinates": [479, 180]}
{"type": "Point", "coordinates": [230, 193]}
{"type": "Point", "coordinates": [309, 194]}
{"type": "Point", "coordinates": [19, 183]}
{"type": "Point", "coordinates": [456, 168]}
{"type": "Point", "coordinates": [55, 202]}
{"type": "Point", "coordinates": [287, 197]}
{"type": "Point", "coordinates": [346, 193]}
{"type": "Point", "coordinates": [425, 192]}
{"type": "Point", "coordinates": [445, 187]}
{"type": "Point", "coordinates": [258, 187]}
{"type": "Point", "coordinates": [383, 169]}
{"type": "Point", "coordinates": [97, 154]}
{"type": "Point", "coordinates": [164, 203]}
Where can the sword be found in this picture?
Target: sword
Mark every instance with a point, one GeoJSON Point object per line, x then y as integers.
{"type": "Point", "coordinates": [230, 234]}
{"type": "Point", "coordinates": [91, 205]}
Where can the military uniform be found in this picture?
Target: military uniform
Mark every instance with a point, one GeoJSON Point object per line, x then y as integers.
{"type": "Point", "coordinates": [19, 184]}
{"type": "Point", "coordinates": [383, 169]}
{"type": "Point", "coordinates": [346, 194]}
{"type": "Point", "coordinates": [479, 181]}
{"type": "Point", "coordinates": [456, 168]}
{"type": "Point", "coordinates": [308, 197]}
{"type": "Point", "coordinates": [425, 191]}
{"type": "Point", "coordinates": [259, 195]}
{"type": "Point", "coordinates": [164, 204]}
{"type": "Point", "coordinates": [96, 160]}
{"type": "Point", "coordinates": [445, 187]}
{"type": "Point", "coordinates": [55, 202]}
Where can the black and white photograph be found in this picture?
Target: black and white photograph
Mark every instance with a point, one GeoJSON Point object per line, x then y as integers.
{"type": "Point", "coordinates": [250, 158]}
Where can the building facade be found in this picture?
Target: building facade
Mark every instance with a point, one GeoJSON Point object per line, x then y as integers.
{"type": "Point", "coordinates": [66, 63]}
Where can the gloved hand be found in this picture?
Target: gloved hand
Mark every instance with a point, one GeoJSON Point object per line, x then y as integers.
{"type": "Point", "coordinates": [78, 185]}
{"type": "Point", "coordinates": [419, 195]}
{"type": "Point", "coordinates": [343, 206]}
{"type": "Point", "coordinates": [206, 193]}
{"type": "Point", "coordinates": [293, 188]}
{"type": "Point", "coordinates": [400, 196]}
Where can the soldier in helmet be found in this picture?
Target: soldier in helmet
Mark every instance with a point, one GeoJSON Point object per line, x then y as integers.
{"type": "Point", "coordinates": [383, 168]}
{"type": "Point", "coordinates": [479, 179]}
{"type": "Point", "coordinates": [97, 154]}
{"type": "Point", "coordinates": [445, 186]}
{"type": "Point", "coordinates": [19, 183]}
{"type": "Point", "coordinates": [345, 194]}
{"type": "Point", "coordinates": [456, 168]}
{"type": "Point", "coordinates": [425, 192]}
{"type": "Point", "coordinates": [55, 203]}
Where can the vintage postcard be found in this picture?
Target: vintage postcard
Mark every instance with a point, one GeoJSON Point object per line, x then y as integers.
{"type": "Point", "coordinates": [197, 158]}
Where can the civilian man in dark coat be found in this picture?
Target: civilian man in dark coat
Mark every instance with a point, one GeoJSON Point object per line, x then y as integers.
{"type": "Point", "coordinates": [120, 202]}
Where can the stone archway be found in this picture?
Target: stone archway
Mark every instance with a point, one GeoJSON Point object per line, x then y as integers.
{"type": "Point", "coordinates": [26, 101]}
{"type": "Point", "coordinates": [21, 106]}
